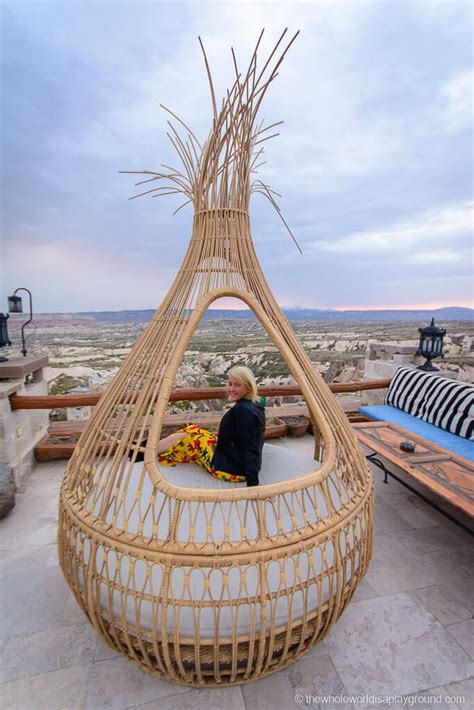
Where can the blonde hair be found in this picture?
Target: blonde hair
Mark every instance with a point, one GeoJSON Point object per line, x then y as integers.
{"type": "Point", "coordinates": [247, 378]}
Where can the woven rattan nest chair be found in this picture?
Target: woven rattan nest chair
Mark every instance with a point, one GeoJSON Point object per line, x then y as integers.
{"type": "Point", "coordinates": [196, 584]}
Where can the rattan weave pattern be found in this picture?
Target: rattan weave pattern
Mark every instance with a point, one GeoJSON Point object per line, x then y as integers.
{"type": "Point", "coordinates": [161, 573]}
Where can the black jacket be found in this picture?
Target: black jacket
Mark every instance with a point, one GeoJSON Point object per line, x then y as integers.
{"type": "Point", "coordinates": [240, 441]}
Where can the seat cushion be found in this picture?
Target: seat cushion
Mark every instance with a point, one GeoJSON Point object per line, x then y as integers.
{"type": "Point", "coordinates": [235, 583]}
{"type": "Point", "coordinates": [457, 444]}
{"type": "Point", "coordinates": [278, 464]}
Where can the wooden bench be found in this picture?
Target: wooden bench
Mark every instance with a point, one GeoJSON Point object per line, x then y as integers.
{"type": "Point", "coordinates": [436, 414]}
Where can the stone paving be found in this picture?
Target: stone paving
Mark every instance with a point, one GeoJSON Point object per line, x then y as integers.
{"type": "Point", "coordinates": [408, 631]}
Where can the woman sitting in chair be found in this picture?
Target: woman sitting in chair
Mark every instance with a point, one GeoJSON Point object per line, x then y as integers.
{"type": "Point", "coordinates": [235, 455]}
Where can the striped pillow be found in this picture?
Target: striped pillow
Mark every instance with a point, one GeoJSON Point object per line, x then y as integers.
{"type": "Point", "coordinates": [437, 400]}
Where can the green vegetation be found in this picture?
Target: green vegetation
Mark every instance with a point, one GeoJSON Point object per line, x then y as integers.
{"type": "Point", "coordinates": [65, 383]}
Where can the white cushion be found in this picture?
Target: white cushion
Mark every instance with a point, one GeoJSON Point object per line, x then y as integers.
{"type": "Point", "coordinates": [278, 464]}
{"type": "Point", "coordinates": [226, 521]}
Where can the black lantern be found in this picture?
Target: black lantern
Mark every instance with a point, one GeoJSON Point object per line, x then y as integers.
{"type": "Point", "coordinates": [4, 339]}
{"type": "Point", "coordinates": [15, 306]}
{"type": "Point", "coordinates": [431, 345]}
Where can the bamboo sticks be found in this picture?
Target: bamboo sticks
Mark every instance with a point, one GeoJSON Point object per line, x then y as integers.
{"type": "Point", "coordinates": [216, 174]}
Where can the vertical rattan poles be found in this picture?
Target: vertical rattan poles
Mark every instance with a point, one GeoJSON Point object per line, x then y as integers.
{"type": "Point", "coordinates": [206, 586]}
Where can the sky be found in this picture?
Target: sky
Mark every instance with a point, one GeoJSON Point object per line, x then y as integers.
{"type": "Point", "coordinates": [374, 160]}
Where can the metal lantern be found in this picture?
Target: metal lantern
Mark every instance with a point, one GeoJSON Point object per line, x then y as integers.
{"type": "Point", "coordinates": [4, 339]}
{"type": "Point", "coordinates": [14, 304]}
{"type": "Point", "coordinates": [431, 345]}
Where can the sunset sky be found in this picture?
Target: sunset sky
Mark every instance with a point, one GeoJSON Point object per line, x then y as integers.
{"type": "Point", "coordinates": [374, 160]}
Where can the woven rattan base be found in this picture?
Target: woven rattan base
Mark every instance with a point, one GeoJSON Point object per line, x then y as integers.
{"type": "Point", "coordinates": [144, 621]}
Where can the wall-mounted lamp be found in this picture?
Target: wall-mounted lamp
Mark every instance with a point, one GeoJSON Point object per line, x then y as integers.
{"type": "Point", "coordinates": [15, 306]}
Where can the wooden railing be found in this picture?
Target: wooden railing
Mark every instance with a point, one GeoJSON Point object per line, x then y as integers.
{"type": "Point", "coordinates": [60, 441]}
{"type": "Point", "coordinates": [53, 401]}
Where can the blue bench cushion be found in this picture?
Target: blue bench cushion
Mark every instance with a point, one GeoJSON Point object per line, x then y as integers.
{"type": "Point", "coordinates": [451, 442]}
{"type": "Point", "coordinates": [437, 400]}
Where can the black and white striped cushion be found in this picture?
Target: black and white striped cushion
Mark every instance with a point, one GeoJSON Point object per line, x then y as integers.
{"type": "Point", "coordinates": [437, 400]}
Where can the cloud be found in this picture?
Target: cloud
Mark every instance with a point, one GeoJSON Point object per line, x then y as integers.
{"type": "Point", "coordinates": [73, 276]}
{"type": "Point", "coordinates": [373, 160]}
{"type": "Point", "coordinates": [434, 227]}
{"type": "Point", "coordinates": [456, 97]}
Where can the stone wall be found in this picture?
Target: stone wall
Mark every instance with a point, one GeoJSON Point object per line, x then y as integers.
{"type": "Point", "coordinates": [385, 357]}
{"type": "Point", "coordinates": [21, 429]}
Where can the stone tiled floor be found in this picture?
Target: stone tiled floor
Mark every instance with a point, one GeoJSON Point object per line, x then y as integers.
{"type": "Point", "coordinates": [409, 630]}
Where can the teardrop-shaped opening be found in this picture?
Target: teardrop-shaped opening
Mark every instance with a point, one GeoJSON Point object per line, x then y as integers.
{"type": "Point", "coordinates": [269, 352]}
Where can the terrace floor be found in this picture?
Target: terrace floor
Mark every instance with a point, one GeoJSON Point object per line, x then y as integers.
{"type": "Point", "coordinates": [409, 630]}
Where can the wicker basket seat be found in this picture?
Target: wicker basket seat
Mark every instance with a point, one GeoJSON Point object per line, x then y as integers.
{"type": "Point", "coordinates": [196, 581]}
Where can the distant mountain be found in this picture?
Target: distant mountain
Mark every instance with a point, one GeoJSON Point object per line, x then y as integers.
{"type": "Point", "coordinates": [119, 316]}
{"type": "Point", "coordinates": [439, 314]}
{"type": "Point", "coordinates": [418, 316]}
